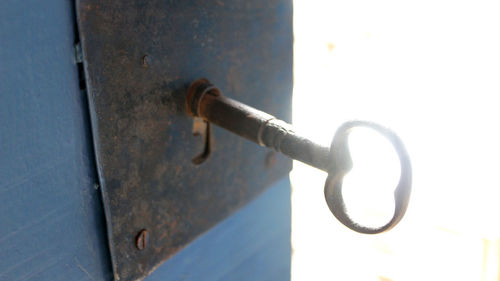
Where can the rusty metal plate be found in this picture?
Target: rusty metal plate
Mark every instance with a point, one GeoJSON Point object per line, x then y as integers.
{"type": "Point", "coordinates": [139, 58]}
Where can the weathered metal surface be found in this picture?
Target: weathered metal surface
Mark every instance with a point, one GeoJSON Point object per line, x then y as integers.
{"type": "Point", "coordinates": [140, 57]}
{"type": "Point", "coordinates": [206, 101]}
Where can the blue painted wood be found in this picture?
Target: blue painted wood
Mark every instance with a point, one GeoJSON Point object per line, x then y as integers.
{"type": "Point", "coordinates": [51, 219]}
{"type": "Point", "coordinates": [253, 244]}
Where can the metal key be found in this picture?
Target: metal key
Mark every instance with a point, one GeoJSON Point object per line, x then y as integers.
{"type": "Point", "coordinates": [206, 101]}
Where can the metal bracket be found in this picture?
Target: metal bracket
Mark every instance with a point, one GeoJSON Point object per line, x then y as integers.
{"type": "Point", "coordinates": [139, 58]}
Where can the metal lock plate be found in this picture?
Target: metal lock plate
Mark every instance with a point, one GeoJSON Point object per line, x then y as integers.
{"type": "Point", "coordinates": [139, 58]}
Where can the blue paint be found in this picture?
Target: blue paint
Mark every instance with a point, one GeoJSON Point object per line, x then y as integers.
{"type": "Point", "coordinates": [253, 244]}
{"type": "Point", "coordinates": [51, 220]}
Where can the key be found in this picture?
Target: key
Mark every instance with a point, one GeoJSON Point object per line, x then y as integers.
{"type": "Point", "coordinates": [206, 101]}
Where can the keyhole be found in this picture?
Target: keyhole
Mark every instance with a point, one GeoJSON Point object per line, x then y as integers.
{"type": "Point", "coordinates": [202, 128]}
{"type": "Point", "coordinates": [368, 189]}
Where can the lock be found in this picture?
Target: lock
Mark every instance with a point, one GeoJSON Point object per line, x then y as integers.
{"type": "Point", "coordinates": [161, 187]}
{"type": "Point", "coordinates": [206, 101]}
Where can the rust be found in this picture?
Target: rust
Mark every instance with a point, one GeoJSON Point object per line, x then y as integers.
{"type": "Point", "coordinates": [267, 130]}
{"type": "Point", "coordinates": [206, 101]}
{"type": "Point", "coordinates": [195, 94]}
{"type": "Point", "coordinates": [139, 66]}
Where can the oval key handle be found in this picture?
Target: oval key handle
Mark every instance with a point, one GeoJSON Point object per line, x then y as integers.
{"type": "Point", "coordinates": [206, 101]}
{"type": "Point", "coordinates": [341, 164]}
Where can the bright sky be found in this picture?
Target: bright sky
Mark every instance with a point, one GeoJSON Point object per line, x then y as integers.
{"type": "Point", "coordinates": [430, 70]}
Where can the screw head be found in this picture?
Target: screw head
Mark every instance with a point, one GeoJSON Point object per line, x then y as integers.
{"type": "Point", "coordinates": [142, 239]}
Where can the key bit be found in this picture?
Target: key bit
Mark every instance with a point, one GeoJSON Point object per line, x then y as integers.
{"type": "Point", "coordinates": [206, 101]}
